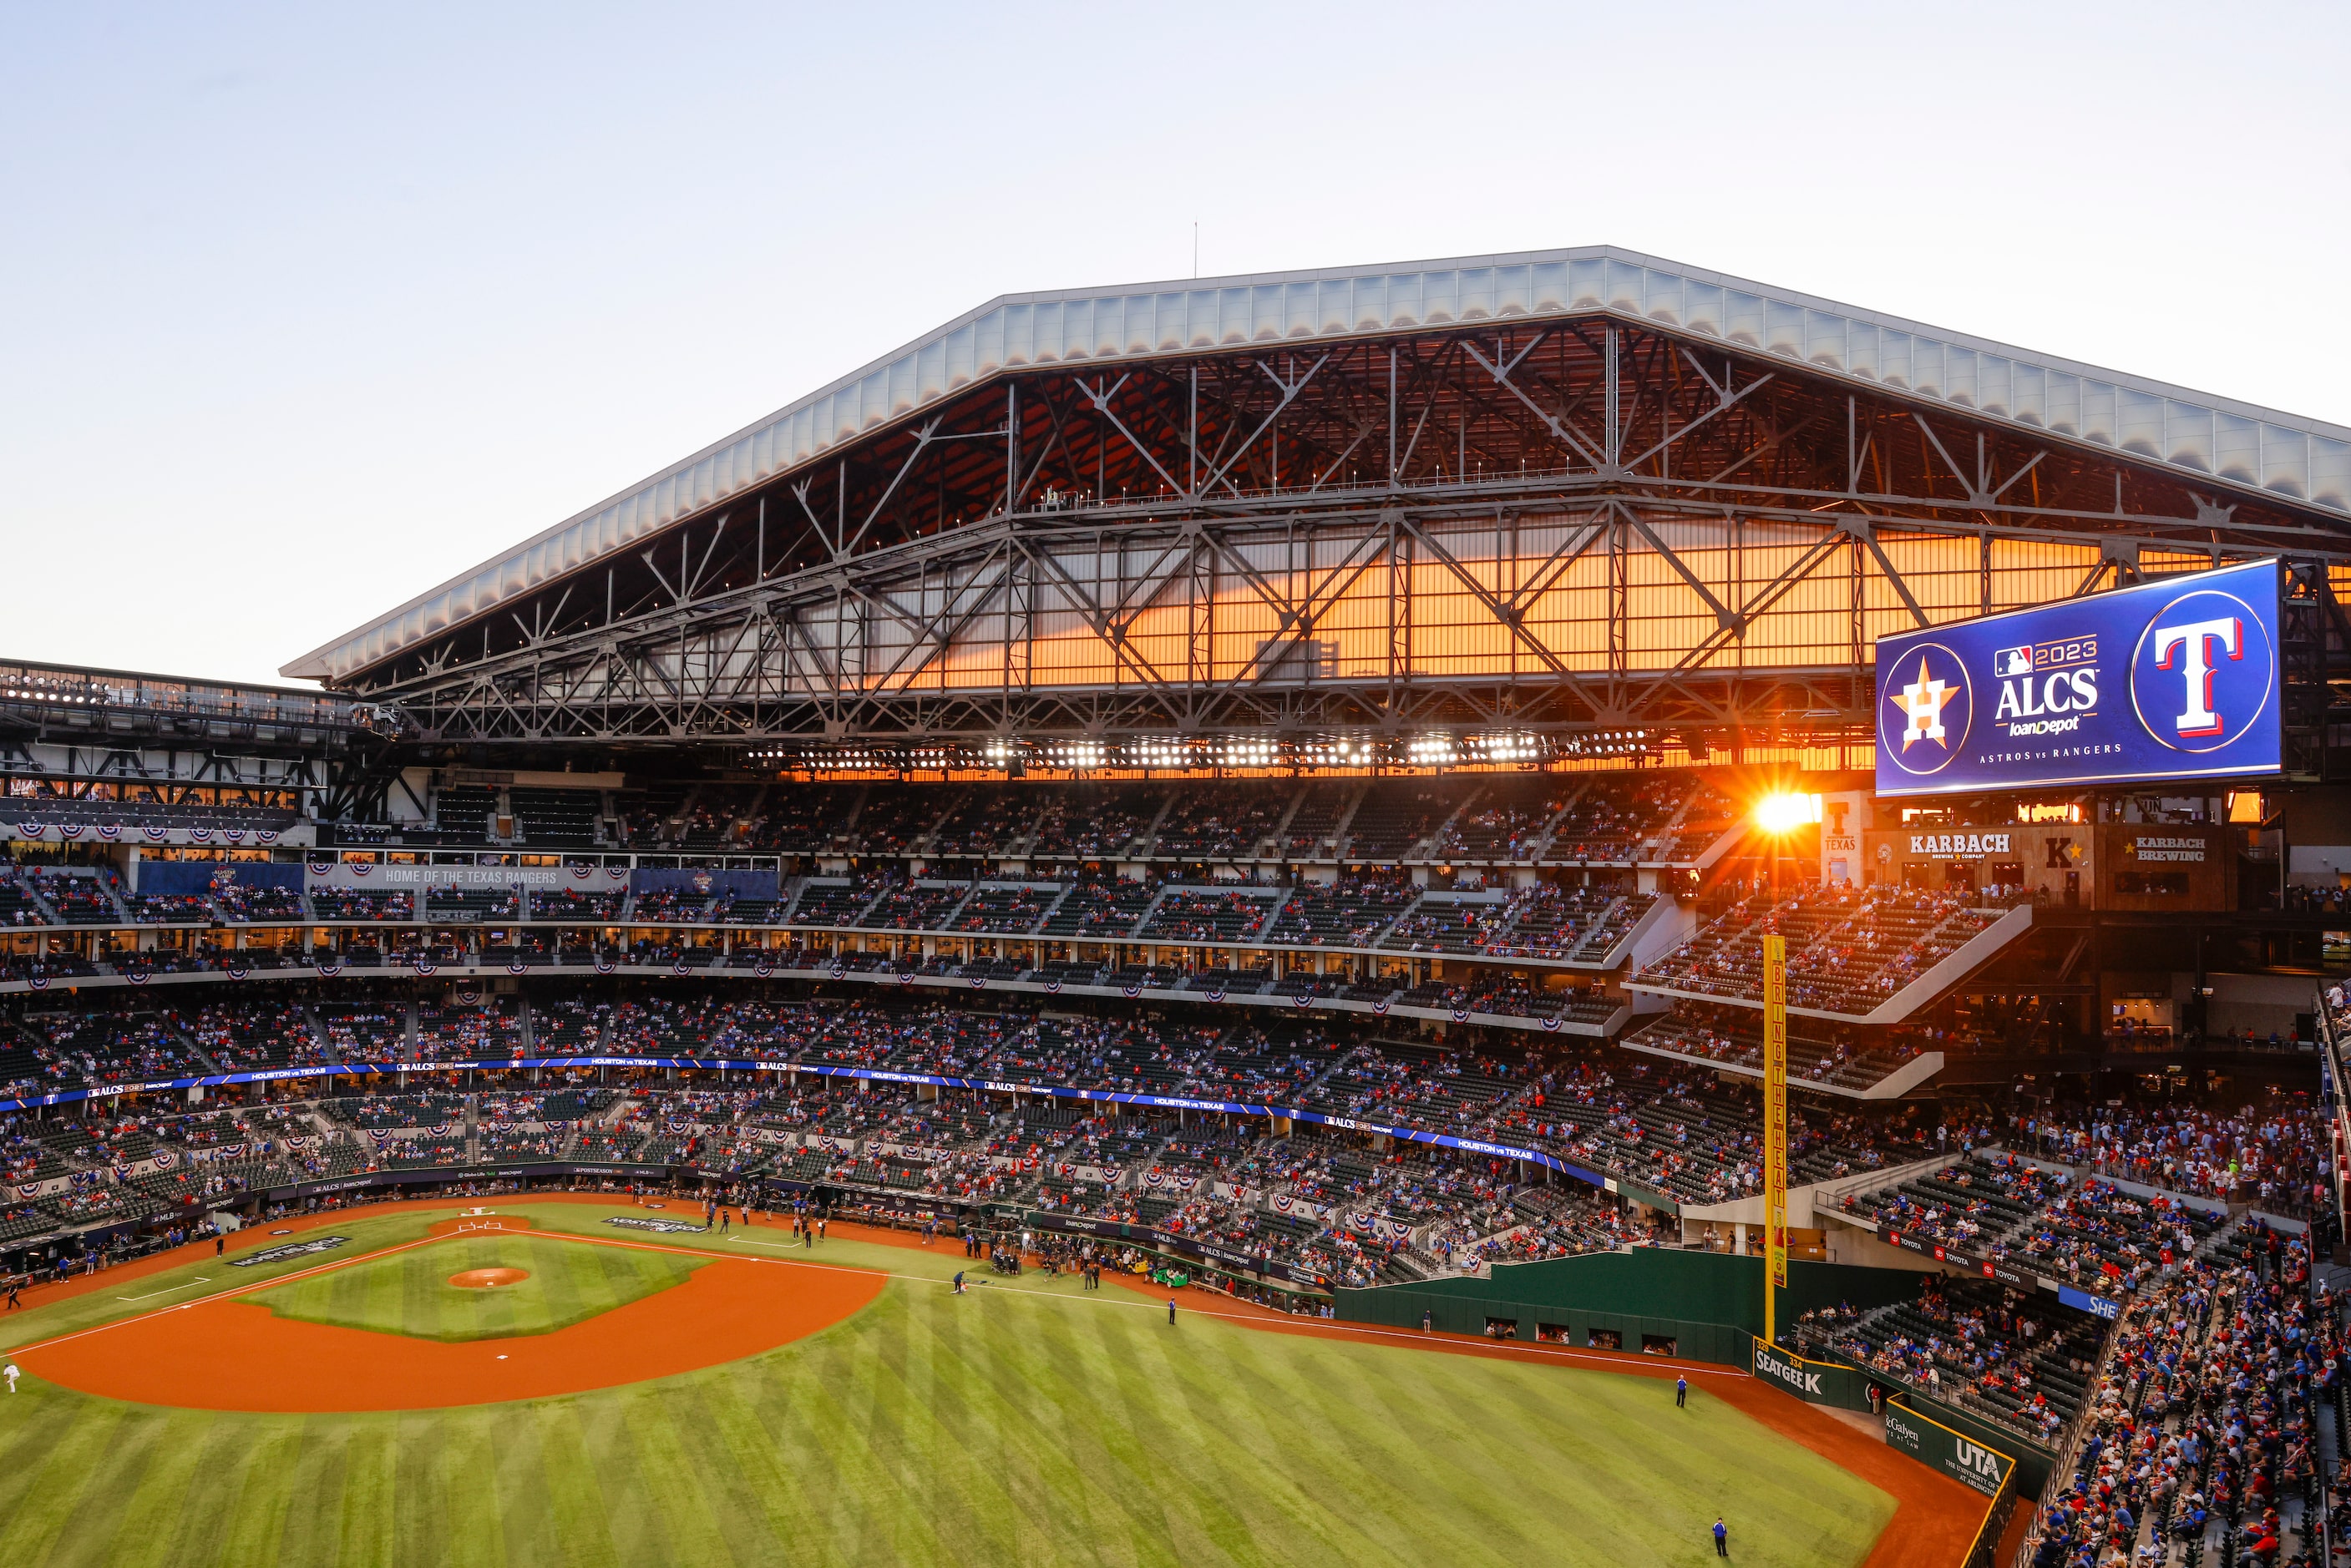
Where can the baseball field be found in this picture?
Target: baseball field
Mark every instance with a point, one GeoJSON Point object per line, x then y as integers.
{"type": "Point", "coordinates": [546, 1386]}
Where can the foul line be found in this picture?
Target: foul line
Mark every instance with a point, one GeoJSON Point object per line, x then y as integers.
{"type": "Point", "coordinates": [230, 1293]}
{"type": "Point", "coordinates": [150, 1295]}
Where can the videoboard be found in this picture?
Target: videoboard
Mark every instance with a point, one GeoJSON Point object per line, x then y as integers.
{"type": "Point", "coordinates": [2171, 679]}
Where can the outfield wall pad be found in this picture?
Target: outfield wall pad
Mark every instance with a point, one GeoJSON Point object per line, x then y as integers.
{"type": "Point", "coordinates": [1709, 1304]}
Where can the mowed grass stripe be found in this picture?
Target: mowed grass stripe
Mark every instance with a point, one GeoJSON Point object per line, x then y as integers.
{"type": "Point", "coordinates": [1015, 1427]}
{"type": "Point", "coordinates": [158, 1472]}
{"type": "Point", "coordinates": [575, 1526]}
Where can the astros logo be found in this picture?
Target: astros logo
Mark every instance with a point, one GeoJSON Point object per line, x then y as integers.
{"type": "Point", "coordinates": [1934, 707]}
{"type": "Point", "coordinates": [2202, 671]}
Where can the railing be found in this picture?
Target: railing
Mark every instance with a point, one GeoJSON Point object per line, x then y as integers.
{"type": "Point", "coordinates": [2070, 1444]}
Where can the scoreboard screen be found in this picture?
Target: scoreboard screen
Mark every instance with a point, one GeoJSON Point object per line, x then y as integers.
{"type": "Point", "coordinates": [2171, 679]}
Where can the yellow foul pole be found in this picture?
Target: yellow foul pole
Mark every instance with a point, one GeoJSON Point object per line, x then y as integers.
{"type": "Point", "coordinates": [1775, 1129]}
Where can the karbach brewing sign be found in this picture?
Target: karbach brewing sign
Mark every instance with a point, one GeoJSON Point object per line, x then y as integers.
{"type": "Point", "coordinates": [2174, 679]}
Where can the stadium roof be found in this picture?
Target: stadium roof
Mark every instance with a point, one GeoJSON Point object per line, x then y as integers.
{"type": "Point", "coordinates": [2237, 445]}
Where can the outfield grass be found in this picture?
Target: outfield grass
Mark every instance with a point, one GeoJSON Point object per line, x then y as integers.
{"type": "Point", "coordinates": [409, 1292]}
{"type": "Point", "coordinates": [1022, 1424]}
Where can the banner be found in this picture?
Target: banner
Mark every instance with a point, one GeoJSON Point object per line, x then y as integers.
{"type": "Point", "coordinates": [194, 879]}
{"type": "Point", "coordinates": [704, 883]}
{"type": "Point", "coordinates": [1814, 1382]}
{"type": "Point", "coordinates": [1935, 1445]}
{"type": "Point", "coordinates": [365, 875]}
{"type": "Point", "coordinates": [1775, 1122]}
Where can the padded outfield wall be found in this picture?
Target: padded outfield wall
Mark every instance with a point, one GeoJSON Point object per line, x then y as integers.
{"type": "Point", "coordinates": [1709, 1304]}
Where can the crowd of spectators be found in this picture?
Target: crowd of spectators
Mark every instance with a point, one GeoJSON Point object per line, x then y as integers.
{"type": "Point", "coordinates": [1848, 949]}
{"type": "Point", "coordinates": [2201, 1429]}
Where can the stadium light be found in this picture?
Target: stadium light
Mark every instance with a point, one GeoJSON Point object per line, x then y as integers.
{"type": "Point", "coordinates": [1786, 812]}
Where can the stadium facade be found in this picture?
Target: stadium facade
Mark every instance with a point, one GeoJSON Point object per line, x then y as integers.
{"type": "Point", "coordinates": [1366, 672]}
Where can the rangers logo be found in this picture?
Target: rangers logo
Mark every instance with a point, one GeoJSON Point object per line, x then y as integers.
{"type": "Point", "coordinates": [2202, 671]}
{"type": "Point", "coordinates": [702, 881]}
{"type": "Point", "coordinates": [1934, 704]}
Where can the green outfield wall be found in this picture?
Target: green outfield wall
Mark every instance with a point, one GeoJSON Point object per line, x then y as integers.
{"type": "Point", "coordinates": [1708, 1306]}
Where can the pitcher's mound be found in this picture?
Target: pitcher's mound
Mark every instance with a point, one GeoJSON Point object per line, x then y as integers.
{"type": "Point", "coordinates": [488, 1279]}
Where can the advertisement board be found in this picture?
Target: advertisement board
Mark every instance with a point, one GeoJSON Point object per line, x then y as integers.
{"type": "Point", "coordinates": [1955, 1454]}
{"type": "Point", "coordinates": [2173, 678]}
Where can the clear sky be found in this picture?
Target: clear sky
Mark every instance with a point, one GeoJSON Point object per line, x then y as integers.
{"type": "Point", "coordinates": [304, 309]}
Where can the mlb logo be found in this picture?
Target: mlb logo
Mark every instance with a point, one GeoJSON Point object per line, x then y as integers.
{"type": "Point", "coordinates": [2014, 662]}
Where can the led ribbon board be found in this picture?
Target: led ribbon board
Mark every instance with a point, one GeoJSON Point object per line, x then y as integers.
{"type": "Point", "coordinates": [2175, 678]}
